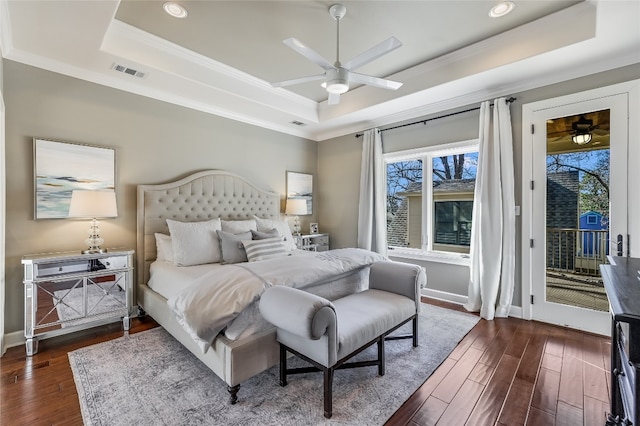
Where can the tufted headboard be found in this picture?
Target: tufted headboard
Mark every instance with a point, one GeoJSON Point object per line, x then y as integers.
{"type": "Point", "coordinates": [201, 196]}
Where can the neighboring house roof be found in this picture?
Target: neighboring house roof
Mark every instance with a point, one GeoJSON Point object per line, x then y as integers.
{"type": "Point", "coordinates": [454, 185]}
{"type": "Point", "coordinates": [591, 212]}
{"type": "Point", "coordinates": [440, 186]}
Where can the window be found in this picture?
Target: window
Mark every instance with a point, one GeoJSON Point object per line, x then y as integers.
{"type": "Point", "coordinates": [430, 198]}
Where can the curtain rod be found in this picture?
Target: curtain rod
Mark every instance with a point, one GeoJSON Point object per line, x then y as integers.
{"type": "Point", "coordinates": [509, 100]}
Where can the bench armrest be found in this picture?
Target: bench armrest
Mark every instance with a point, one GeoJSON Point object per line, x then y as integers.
{"type": "Point", "coordinates": [397, 277]}
{"type": "Point", "coordinates": [298, 312]}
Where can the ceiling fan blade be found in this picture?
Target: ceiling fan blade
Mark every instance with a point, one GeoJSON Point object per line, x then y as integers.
{"type": "Point", "coordinates": [374, 81]}
{"type": "Point", "coordinates": [297, 80]}
{"type": "Point", "coordinates": [375, 52]}
{"type": "Point", "coordinates": [308, 53]}
{"type": "Point", "coordinates": [334, 99]}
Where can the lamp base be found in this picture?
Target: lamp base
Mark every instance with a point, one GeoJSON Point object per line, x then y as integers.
{"type": "Point", "coordinates": [94, 250]}
{"type": "Point", "coordinates": [95, 240]}
{"type": "Point", "coordinates": [296, 225]}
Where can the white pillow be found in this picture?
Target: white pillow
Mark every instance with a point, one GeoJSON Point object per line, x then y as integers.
{"type": "Point", "coordinates": [239, 226]}
{"type": "Point", "coordinates": [265, 225]}
{"type": "Point", "coordinates": [265, 249]}
{"type": "Point", "coordinates": [164, 248]}
{"type": "Point", "coordinates": [195, 243]}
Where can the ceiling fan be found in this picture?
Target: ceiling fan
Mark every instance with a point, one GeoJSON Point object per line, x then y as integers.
{"type": "Point", "coordinates": [338, 76]}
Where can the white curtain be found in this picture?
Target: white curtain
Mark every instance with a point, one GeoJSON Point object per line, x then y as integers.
{"type": "Point", "coordinates": [493, 228]}
{"type": "Point", "coordinates": [372, 210]}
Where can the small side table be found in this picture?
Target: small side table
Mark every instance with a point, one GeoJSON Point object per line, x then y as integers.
{"type": "Point", "coordinates": [66, 292]}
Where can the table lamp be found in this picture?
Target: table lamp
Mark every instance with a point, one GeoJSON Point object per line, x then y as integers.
{"type": "Point", "coordinates": [295, 207]}
{"type": "Point", "coordinates": [93, 204]}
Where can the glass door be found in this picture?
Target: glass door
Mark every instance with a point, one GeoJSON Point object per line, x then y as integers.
{"type": "Point", "coordinates": [579, 208]}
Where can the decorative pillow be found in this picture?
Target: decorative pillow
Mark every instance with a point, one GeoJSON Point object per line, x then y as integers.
{"type": "Point", "coordinates": [239, 226]}
{"type": "Point", "coordinates": [164, 249]}
{"type": "Point", "coordinates": [232, 248]}
{"type": "Point", "coordinates": [265, 249]}
{"type": "Point", "coordinates": [265, 225]}
{"type": "Point", "coordinates": [195, 243]}
{"type": "Point", "coordinates": [257, 235]}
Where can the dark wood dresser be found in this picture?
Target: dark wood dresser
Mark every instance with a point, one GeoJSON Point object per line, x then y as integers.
{"type": "Point", "coordinates": [622, 283]}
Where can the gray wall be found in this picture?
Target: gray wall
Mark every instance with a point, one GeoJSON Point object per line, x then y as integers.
{"type": "Point", "coordinates": [155, 142]}
{"type": "Point", "coordinates": [339, 169]}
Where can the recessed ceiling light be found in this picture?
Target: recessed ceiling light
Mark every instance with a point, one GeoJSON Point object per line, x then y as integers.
{"type": "Point", "coordinates": [175, 10]}
{"type": "Point", "coordinates": [501, 9]}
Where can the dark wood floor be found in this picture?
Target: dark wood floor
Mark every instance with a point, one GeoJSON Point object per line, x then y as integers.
{"type": "Point", "coordinates": [515, 372]}
{"type": "Point", "coordinates": [504, 372]}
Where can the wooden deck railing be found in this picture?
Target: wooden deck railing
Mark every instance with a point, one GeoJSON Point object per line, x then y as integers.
{"type": "Point", "coordinates": [577, 250]}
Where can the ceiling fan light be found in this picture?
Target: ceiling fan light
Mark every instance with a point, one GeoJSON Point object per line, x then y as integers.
{"type": "Point", "coordinates": [337, 87]}
{"type": "Point", "coordinates": [582, 131]}
{"type": "Point", "coordinates": [501, 9]}
{"type": "Point", "coordinates": [337, 81]}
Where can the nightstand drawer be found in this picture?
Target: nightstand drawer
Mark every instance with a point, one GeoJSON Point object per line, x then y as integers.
{"type": "Point", "coordinates": [60, 268]}
{"type": "Point", "coordinates": [117, 262]}
{"type": "Point", "coordinates": [321, 240]}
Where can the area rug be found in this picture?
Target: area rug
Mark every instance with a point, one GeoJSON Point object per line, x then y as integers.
{"type": "Point", "coordinates": [148, 378]}
{"type": "Point", "coordinates": [102, 298]}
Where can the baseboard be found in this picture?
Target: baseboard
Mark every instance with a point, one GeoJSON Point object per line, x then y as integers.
{"type": "Point", "coordinates": [444, 296]}
{"type": "Point", "coordinates": [515, 311]}
{"type": "Point", "coordinates": [13, 339]}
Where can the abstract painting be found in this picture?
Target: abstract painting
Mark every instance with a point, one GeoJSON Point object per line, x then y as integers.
{"type": "Point", "coordinates": [61, 167]}
{"type": "Point", "coordinates": [300, 185]}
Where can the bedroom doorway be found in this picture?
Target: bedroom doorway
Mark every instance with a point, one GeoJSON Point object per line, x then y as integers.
{"type": "Point", "coordinates": [575, 205]}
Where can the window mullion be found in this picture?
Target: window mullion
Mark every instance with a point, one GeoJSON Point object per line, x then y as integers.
{"type": "Point", "coordinates": [427, 203]}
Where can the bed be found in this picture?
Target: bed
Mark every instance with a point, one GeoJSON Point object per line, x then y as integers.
{"type": "Point", "coordinates": [241, 349]}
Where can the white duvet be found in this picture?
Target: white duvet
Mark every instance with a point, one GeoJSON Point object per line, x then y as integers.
{"type": "Point", "coordinates": [219, 295]}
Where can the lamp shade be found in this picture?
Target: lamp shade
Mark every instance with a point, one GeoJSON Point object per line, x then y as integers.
{"type": "Point", "coordinates": [296, 206]}
{"type": "Point", "coordinates": [92, 204]}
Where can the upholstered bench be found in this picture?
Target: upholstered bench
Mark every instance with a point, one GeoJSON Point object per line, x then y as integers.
{"type": "Point", "coordinates": [327, 334]}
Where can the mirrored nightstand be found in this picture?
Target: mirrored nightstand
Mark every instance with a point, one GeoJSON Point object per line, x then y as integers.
{"type": "Point", "coordinates": [65, 292]}
{"type": "Point", "coordinates": [313, 242]}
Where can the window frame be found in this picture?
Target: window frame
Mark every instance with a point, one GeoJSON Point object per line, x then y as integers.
{"type": "Point", "coordinates": [427, 154]}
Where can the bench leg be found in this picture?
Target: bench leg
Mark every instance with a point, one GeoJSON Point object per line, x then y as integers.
{"type": "Point", "coordinates": [381, 358]}
{"type": "Point", "coordinates": [415, 332]}
{"type": "Point", "coordinates": [328, 393]}
{"type": "Point", "coordinates": [233, 393]}
{"type": "Point", "coordinates": [283, 365]}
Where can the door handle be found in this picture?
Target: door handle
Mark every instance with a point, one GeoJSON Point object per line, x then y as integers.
{"type": "Point", "coordinates": [619, 244]}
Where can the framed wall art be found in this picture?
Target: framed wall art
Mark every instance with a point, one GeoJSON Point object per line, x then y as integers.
{"type": "Point", "coordinates": [300, 185]}
{"type": "Point", "coordinates": [61, 167]}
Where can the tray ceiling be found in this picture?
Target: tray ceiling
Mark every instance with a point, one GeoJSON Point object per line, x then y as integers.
{"type": "Point", "coordinates": [223, 56]}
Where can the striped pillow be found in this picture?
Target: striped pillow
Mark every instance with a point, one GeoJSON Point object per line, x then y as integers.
{"type": "Point", "coordinates": [265, 249]}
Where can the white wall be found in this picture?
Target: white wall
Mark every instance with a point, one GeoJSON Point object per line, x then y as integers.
{"type": "Point", "coordinates": [2, 210]}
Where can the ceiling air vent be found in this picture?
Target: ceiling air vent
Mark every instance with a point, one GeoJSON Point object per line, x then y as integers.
{"type": "Point", "coordinates": [297, 123]}
{"type": "Point", "coordinates": [127, 70]}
